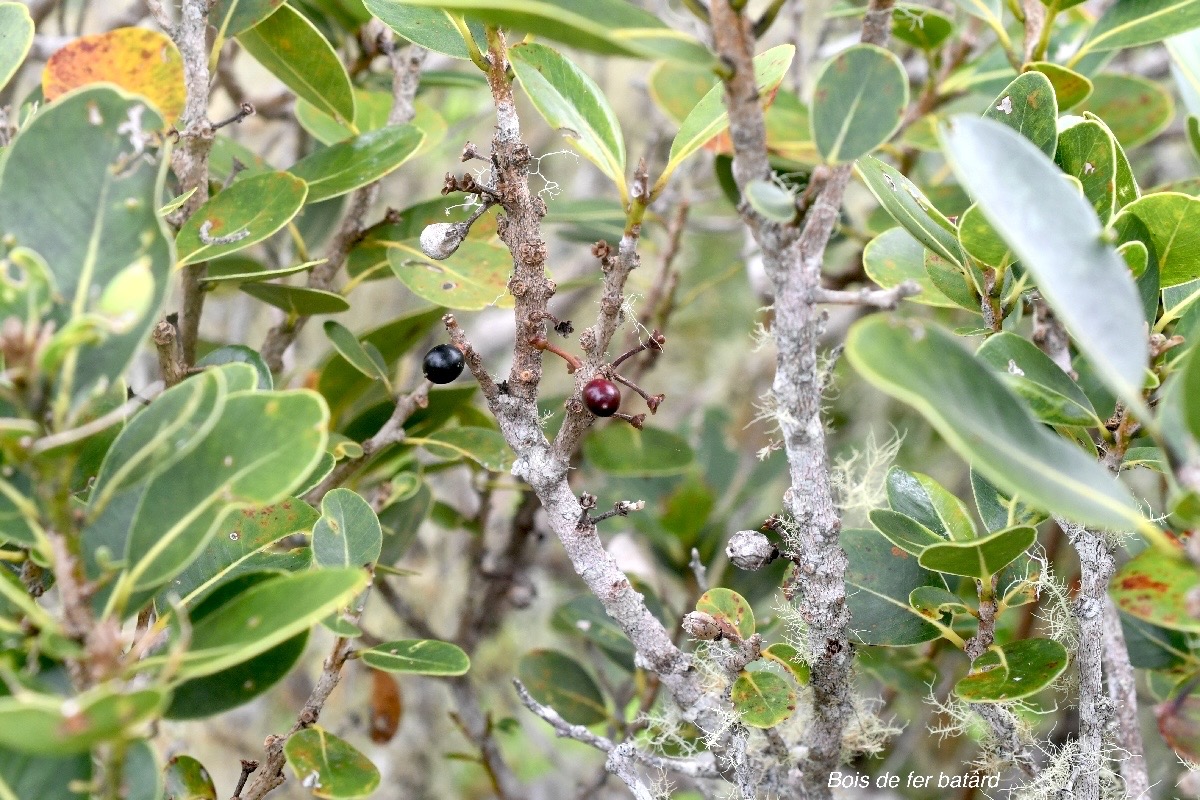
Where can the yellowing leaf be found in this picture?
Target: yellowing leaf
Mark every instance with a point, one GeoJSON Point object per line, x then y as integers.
{"type": "Point", "coordinates": [138, 60]}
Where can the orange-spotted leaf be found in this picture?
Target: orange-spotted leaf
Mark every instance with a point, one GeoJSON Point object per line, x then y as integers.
{"type": "Point", "coordinates": [138, 60]}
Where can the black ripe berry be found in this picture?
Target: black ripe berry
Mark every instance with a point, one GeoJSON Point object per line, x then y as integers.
{"type": "Point", "coordinates": [443, 363]}
{"type": "Point", "coordinates": [602, 397]}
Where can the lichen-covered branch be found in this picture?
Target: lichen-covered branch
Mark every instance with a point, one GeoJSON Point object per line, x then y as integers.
{"type": "Point", "coordinates": [793, 258]}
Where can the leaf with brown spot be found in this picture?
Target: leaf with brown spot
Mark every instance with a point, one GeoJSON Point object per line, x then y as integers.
{"type": "Point", "coordinates": [138, 60]}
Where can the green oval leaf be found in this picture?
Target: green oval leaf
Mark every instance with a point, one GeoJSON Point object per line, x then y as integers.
{"type": "Point", "coordinates": [623, 450]}
{"type": "Point", "coordinates": [572, 104]}
{"type": "Point", "coordinates": [418, 656]}
{"type": "Point", "coordinates": [985, 422]}
{"type": "Point", "coordinates": [904, 531]}
{"type": "Point", "coordinates": [858, 102]}
{"type": "Point", "coordinates": [348, 533]}
{"type": "Point", "coordinates": [981, 558]}
{"type": "Point", "coordinates": [266, 615]}
{"type": "Point", "coordinates": [485, 446]}
{"type": "Point", "coordinates": [709, 116]}
{"type": "Point", "coordinates": [1070, 87]}
{"type": "Point", "coordinates": [240, 354]}
{"type": "Point", "coordinates": [352, 164]}
{"type": "Point", "coordinates": [298, 300]}
{"type": "Point", "coordinates": [881, 576]}
{"type": "Point", "coordinates": [329, 767]}
{"type": "Point", "coordinates": [997, 509]}
{"type": "Point", "coordinates": [771, 201]}
{"type": "Point", "coordinates": [613, 27]}
{"type": "Point", "coordinates": [555, 679]}
{"type": "Point", "coordinates": [905, 203]}
{"type": "Point", "coordinates": [921, 26]}
{"type": "Point", "coordinates": [790, 659]}
{"type": "Point", "coordinates": [247, 212]}
{"type": "Point", "coordinates": [187, 779]}
{"type": "Point", "coordinates": [473, 278]}
{"type": "Point", "coordinates": [16, 37]}
{"type": "Point", "coordinates": [1027, 667]}
{"type": "Point", "coordinates": [980, 240]}
{"type": "Point", "coordinates": [296, 52]}
{"type": "Point", "coordinates": [1056, 236]}
{"type": "Point", "coordinates": [104, 193]}
{"type": "Point", "coordinates": [1135, 22]}
{"type": "Point", "coordinates": [762, 699]}
{"type": "Point", "coordinates": [893, 257]}
{"type": "Point", "coordinates": [1028, 105]}
{"type": "Point", "coordinates": [230, 688]}
{"type": "Point", "coordinates": [1088, 152]}
{"type": "Point", "coordinates": [1135, 108]}
{"type": "Point", "coordinates": [431, 28]}
{"type": "Point", "coordinates": [1052, 395]}
{"type": "Point", "coordinates": [929, 503]}
{"type": "Point", "coordinates": [728, 605]}
{"type": "Point", "coordinates": [1173, 222]}
{"type": "Point", "coordinates": [356, 354]}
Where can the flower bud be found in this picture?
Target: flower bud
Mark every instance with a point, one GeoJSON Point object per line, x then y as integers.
{"type": "Point", "coordinates": [750, 550]}
{"type": "Point", "coordinates": [441, 239]}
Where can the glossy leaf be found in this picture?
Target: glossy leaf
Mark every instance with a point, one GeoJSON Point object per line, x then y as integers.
{"type": "Point", "coordinates": [709, 117]}
{"type": "Point", "coordinates": [728, 605]}
{"type": "Point", "coordinates": [139, 60]}
{"type": "Point", "coordinates": [921, 26]}
{"type": "Point", "coordinates": [910, 208]}
{"type": "Point", "coordinates": [348, 533]}
{"type": "Point", "coordinates": [1173, 222]}
{"type": "Point", "coordinates": [790, 659]}
{"type": "Point", "coordinates": [241, 546]}
{"type": "Point", "coordinates": [473, 278]}
{"type": "Point", "coordinates": [929, 503]}
{"type": "Point", "coordinates": [555, 679]}
{"type": "Point", "coordinates": [1052, 395]}
{"type": "Point", "coordinates": [1056, 236]}
{"type": "Point", "coordinates": [187, 779]}
{"type": "Point", "coordinates": [612, 27]}
{"type": "Point", "coordinates": [1135, 22]}
{"type": "Point", "coordinates": [231, 17]}
{"type": "Point", "coordinates": [296, 52]}
{"type": "Point", "coordinates": [484, 446]}
{"type": "Point", "coordinates": [66, 172]}
{"type": "Point", "coordinates": [431, 28]}
{"type": "Point", "coordinates": [328, 766]}
{"type": "Point", "coordinates": [572, 104]}
{"type": "Point", "coordinates": [239, 354]}
{"type": "Point", "coordinates": [341, 384]}
{"type": "Point", "coordinates": [355, 353]}
{"type": "Point", "coordinates": [858, 102]}
{"type": "Point", "coordinates": [266, 615]}
{"type": "Point", "coordinates": [1029, 106]}
{"type": "Point", "coordinates": [249, 211]}
{"type": "Point", "coordinates": [981, 558]}
{"type": "Point", "coordinates": [904, 531]}
{"type": "Point", "coordinates": [298, 300]}
{"type": "Point", "coordinates": [1028, 666]}
{"type": "Point", "coordinates": [1154, 587]}
{"type": "Point", "coordinates": [237, 685]}
{"type": "Point", "coordinates": [879, 579]}
{"type": "Point", "coordinates": [893, 257]}
{"type": "Point", "coordinates": [1070, 87]}
{"type": "Point", "coordinates": [625, 451]}
{"type": "Point", "coordinates": [16, 37]}
{"type": "Point", "coordinates": [352, 164]}
{"type": "Point", "coordinates": [985, 422]}
{"type": "Point", "coordinates": [762, 699]}
{"type": "Point", "coordinates": [418, 657]}
{"type": "Point", "coordinates": [1136, 109]}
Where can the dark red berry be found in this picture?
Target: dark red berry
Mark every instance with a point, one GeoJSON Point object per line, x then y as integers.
{"type": "Point", "coordinates": [602, 397]}
{"type": "Point", "coordinates": [443, 363]}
